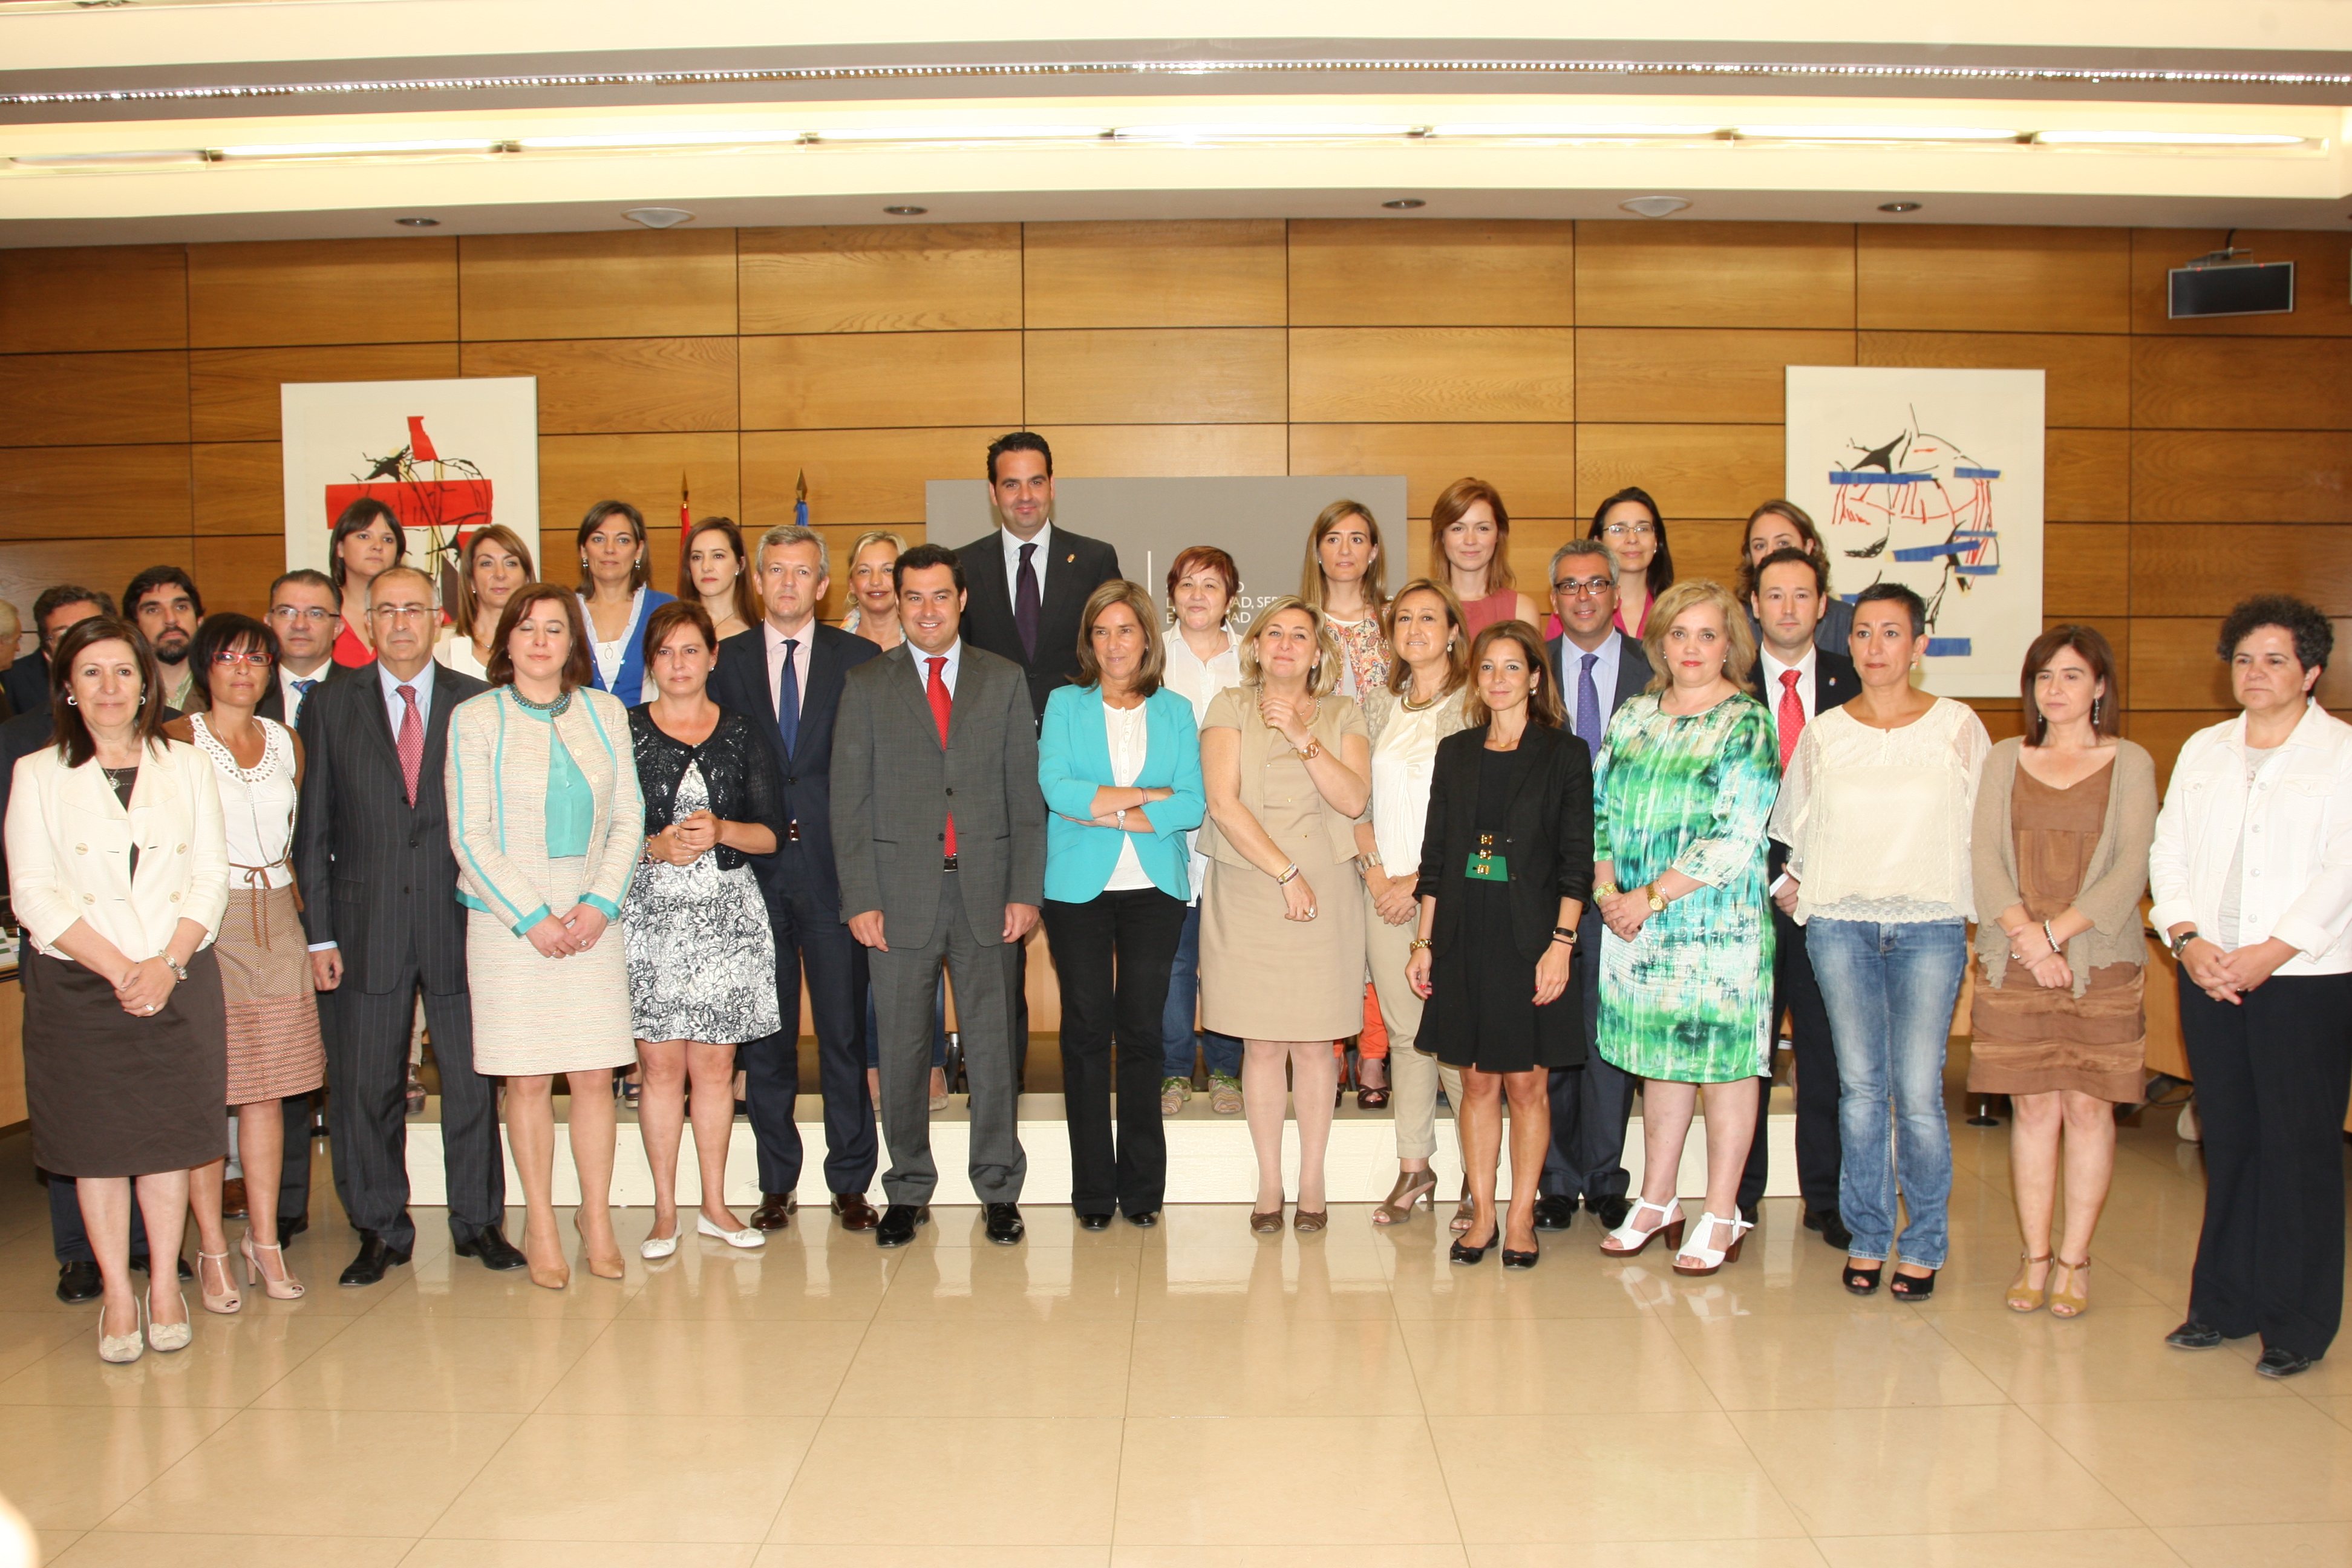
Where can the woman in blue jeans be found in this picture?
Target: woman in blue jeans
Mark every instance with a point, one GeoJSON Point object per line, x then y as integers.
{"type": "Point", "coordinates": [1875, 806]}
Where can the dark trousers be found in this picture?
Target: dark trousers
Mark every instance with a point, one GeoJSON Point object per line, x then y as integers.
{"type": "Point", "coordinates": [367, 1109]}
{"type": "Point", "coordinates": [1795, 989]}
{"type": "Point", "coordinates": [71, 1240]}
{"type": "Point", "coordinates": [1113, 954]}
{"type": "Point", "coordinates": [1591, 1104]}
{"type": "Point", "coordinates": [2273, 1074]}
{"type": "Point", "coordinates": [811, 940]}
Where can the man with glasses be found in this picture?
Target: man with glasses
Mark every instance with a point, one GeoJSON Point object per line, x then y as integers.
{"type": "Point", "coordinates": [372, 853]}
{"type": "Point", "coordinates": [1598, 667]}
{"type": "Point", "coordinates": [305, 611]}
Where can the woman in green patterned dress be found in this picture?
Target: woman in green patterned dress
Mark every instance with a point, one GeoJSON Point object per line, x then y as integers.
{"type": "Point", "coordinates": [1681, 792]}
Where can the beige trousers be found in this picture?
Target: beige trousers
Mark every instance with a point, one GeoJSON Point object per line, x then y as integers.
{"type": "Point", "coordinates": [1414, 1074]}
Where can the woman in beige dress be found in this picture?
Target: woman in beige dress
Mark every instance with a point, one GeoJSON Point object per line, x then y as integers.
{"type": "Point", "coordinates": [1288, 767]}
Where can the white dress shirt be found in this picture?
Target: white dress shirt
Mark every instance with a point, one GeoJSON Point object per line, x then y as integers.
{"type": "Point", "coordinates": [954, 655]}
{"type": "Point", "coordinates": [293, 699]}
{"type": "Point", "coordinates": [1198, 681]}
{"type": "Point", "coordinates": [1772, 685]}
{"type": "Point", "coordinates": [774, 641]}
{"type": "Point", "coordinates": [1012, 544]}
{"type": "Point", "coordinates": [394, 708]}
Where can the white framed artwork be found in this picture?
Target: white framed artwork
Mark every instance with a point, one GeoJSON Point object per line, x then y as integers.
{"type": "Point", "coordinates": [1932, 479]}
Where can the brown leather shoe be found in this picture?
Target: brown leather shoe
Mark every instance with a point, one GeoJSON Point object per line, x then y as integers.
{"type": "Point", "coordinates": [856, 1213]}
{"type": "Point", "coordinates": [233, 1198]}
{"type": "Point", "coordinates": [775, 1211]}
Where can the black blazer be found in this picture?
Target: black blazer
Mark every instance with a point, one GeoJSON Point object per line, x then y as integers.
{"type": "Point", "coordinates": [1077, 567]}
{"type": "Point", "coordinates": [1835, 682]}
{"type": "Point", "coordinates": [25, 683]}
{"type": "Point", "coordinates": [1632, 674]}
{"type": "Point", "coordinates": [741, 683]}
{"type": "Point", "coordinates": [378, 877]}
{"type": "Point", "coordinates": [273, 702]}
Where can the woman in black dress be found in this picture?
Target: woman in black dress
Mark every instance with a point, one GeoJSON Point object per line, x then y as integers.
{"type": "Point", "coordinates": [1506, 868]}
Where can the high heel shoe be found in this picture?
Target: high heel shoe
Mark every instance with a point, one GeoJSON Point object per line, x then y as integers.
{"type": "Point", "coordinates": [547, 1276]}
{"type": "Point", "coordinates": [1632, 1241]}
{"type": "Point", "coordinates": [605, 1265]}
{"type": "Point", "coordinates": [121, 1350]}
{"type": "Point", "coordinates": [1465, 1213]}
{"type": "Point", "coordinates": [2071, 1302]}
{"type": "Point", "coordinates": [1412, 1187]}
{"type": "Point", "coordinates": [2024, 1298]}
{"type": "Point", "coordinates": [1862, 1281]}
{"type": "Point", "coordinates": [165, 1337]}
{"type": "Point", "coordinates": [279, 1287]}
{"type": "Point", "coordinates": [225, 1300]}
{"type": "Point", "coordinates": [747, 1236]}
{"type": "Point", "coordinates": [1708, 1259]}
{"type": "Point", "coordinates": [1912, 1287]}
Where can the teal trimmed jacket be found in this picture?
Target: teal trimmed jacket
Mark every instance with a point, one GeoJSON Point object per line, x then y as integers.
{"type": "Point", "coordinates": [1073, 760]}
{"type": "Point", "coordinates": [496, 779]}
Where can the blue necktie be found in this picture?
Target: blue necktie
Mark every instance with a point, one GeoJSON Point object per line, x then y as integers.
{"type": "Point", "coordinates": [1588, 705]}
{"type": "Point", "coordinates": [788, 698]}
{"type": "Point", "coordinates": [302, 695]}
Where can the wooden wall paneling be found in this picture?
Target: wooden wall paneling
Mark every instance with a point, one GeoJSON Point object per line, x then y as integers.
{"type": "Point", "coordinates": [1982, 278]}
{"type": "Point", "coordinates": [873, 380]}
{"type": "Point", "coordinates": [2323, 293]}
{"type": "Point", "coordinates": [2086, 569]}
{"type": "Point", "coordinates": [2242, 384]}
{"type": "Point", "coordinates": [1379, 272]}
{"type": "Point", "coordinates": [1432, 374]}
{"type": "Point", "coordinates": [1702, 375]}
{"type": "Point", "coordinates": [2228, 476]}
{"type": "Point", "coordinates": [2163, 732]}
{"type": "Point", "coordinates": [72, 299]}
{"type": "Point", "coordinates": [1137, 451]}
{"type": "Point", "coordinates": [275, 292]}
{"type": "Point", "coordinates": [235, 571]}
{"type": "Point", "coordinates": [895, 278]}
{"type": "Point", "coordinates": [1533, 465]}
{"type": "Point", "coordinates": [1192, 375]}
{"type": "Point", "coordinates": [676, 282]}
{"type": "Point", "coordinates": [29, 566]}
{"type": "Point", "coordinates": [869, 479]}
{"type": "Point", "coordinates": [2191, 569]}
{"type": "Point", "coordinates": [2087, 378]}
{"type": "Point", "coordinates": [234, 393]}
{"type": "Point", "coordinates": [1208, 273]}
{"type": "Point", "coordinates": [2120, 632]}
{"type": "Point", "coordinates": [1533, 539]}
{"type": "Point", "coordinates": [94, 493]}
{"type": "Point", "coordinates": [1645, 274]}
{"type": "Point", "coordinates": [575, 472]}
{"type": "Point", "coordinates": [1694, 470]}
{"type": "Point", "coordinates": [2087, 476]}
{"type": "Point", "coordinates": [2175, 664]}
{"type": "Point", "coordinates": [615, 385]}
{"type": "Point", "coordinates": [2000, 716]}
{"type": "Point", "coordinates": [239, 488]}
{"type": "Point", "coordinates": [1706, 547]}
{"type": "Point", "coordinates": [87, 399]}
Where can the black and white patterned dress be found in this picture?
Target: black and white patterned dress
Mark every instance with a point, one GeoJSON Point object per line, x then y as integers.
{"type": "Point", "coordinates": [702, 957]}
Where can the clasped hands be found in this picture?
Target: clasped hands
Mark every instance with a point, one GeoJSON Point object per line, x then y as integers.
{"type": "Point", "coordinates": [1624, 912]}
{"type": "Point", "coordinates": [686, 840]}
{"type": "Point", "coordinates": [146, 986]}
{"type": "Point", "coordinates": [569, 934]}
{"type": "Point", "coordinates": [2226, 975]}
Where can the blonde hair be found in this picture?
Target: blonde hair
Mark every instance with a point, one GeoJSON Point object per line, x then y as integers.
{"type": "Point", "coordinates": [1324, 676]}
{"type": "Point", "coordinates": [1457, 644]}
{"type": "Point", "coordinates": [1118, 591]}
{"type": "Point", "coordinates": [875, 536]}
{"type": "Point", "coordinates": [1739, 656]}
{"type": "Point", "coordinates": [1310, 576]}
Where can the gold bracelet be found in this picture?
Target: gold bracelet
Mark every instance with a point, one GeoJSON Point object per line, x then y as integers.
{"type": "Point", "coordinates": [1417, 944]}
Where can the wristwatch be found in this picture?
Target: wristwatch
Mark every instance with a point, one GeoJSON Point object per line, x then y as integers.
{"type": "Point", "coordinates": [1657, 898]}
{"type": "Point", "coordinates": [1564, 933]}
{"type": "Point", "coordinates": [2183, 940]}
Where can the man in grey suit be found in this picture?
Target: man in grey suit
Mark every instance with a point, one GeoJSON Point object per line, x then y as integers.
{"type": "Point", "coordinates": [1598, 667]}
{"type": "Point", "coordinates": [938, 837]}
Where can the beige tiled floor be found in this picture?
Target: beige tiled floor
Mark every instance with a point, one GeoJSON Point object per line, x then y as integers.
{"type": "Point", "coordinates": [1183, 1398]}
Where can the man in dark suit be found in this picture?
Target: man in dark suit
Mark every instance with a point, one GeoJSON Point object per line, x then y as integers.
{"type": "Point", "coordinates": [305, 611]}
{"type": "Point", "coordinates": [1797, 682]}
{"type": "Point", "coordinates": [939, 835]}
{"type": "Point", "coordinates": [1598, 667]}
{"type": "Point", "coordinates": [1029, 579]}
{"type": "Point", "coordinates": [786, 673]}
{"type": "Point", "coordinates": [380, 901]}
{"type": "Point", "coordinates": [27, 682]}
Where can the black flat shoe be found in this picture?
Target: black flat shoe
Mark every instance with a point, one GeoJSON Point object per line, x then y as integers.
{"type": "Point", "coordinates": [2277, 1363]}
{"type": "Point", "coordinates": [1464, 1253]}
{"type": "Point", "coordinates": [1522, 1259]}
{"type": "Point", "coordinates": [1862, 1281]}
{"type": "Point", "coordinates": [1555, 1212]}
{"type": "Point", "coordinates": [1912, 1287]}
{"type": "Point", "coordinates": [1004, 1227]}
{"type": "Point", "coordinates": [2193, 1335]}
{"type": "Point", "coordinates": [898, 1223]}
{"type": "Point", "coordinates": [1144, 1220]}
{"type": "Point", "coordinates": [1094, 1222]}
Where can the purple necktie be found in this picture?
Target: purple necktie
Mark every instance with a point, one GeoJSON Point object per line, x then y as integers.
{"type": "Point", "coordinates": [1025, 604]}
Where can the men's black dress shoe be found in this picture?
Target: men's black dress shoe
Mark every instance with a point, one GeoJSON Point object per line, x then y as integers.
{"type": "Point", "coordinates": [1085, 1222]}
{"type": "Point", "coordinates": [2193, 1335]}
{"type": "Point", "coordinates": [1144, 1220]}
{"type": "Point", "coordinates": [1555, 1211]}
{"type": "Point", "coordinates": [2278, 1362]}
{"type": "Point", "coordinates": [1748, 1212]}
{"type": "Point", "coordinates": [376, 1255]}
{"type": "Point", "coordinates": [1004, 1227]}
{"type": "Point", "coordinates": [775, 1211]}
{"type": "Point", "coordinates": [898, 1223]}
{"type": "Point", "coordinates": [79, 1282]}
{"type": "Point", "coordinates": [856, 1213]}
{"type": "Point", "coordinates": [1833, 1229]}
{"type": "Point", "coordinates": [288, 1229]}
{"type": "Point", "coordinates": [1611, 1212]}
{"type": "Point", "coordinates": [491, 1245]}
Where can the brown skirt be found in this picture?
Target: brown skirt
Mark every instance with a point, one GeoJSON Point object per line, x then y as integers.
{"type": "Point", "coordinates": [112, 1095]}
{"type": "Point", "coordinates": [274, 1046]}
{"type": "Point", "coordinates": [2030, 1039]}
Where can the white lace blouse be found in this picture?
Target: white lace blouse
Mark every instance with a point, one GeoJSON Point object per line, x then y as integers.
{"type": "Point", "coordinates": [256, 805]}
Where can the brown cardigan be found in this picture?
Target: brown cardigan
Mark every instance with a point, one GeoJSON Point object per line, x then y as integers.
{"type": "Point", "coordinates": [2112, 882]}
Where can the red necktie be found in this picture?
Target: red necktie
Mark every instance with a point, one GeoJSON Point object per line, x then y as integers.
{"type": "Point", "coordinates": [937, 690]}
{"type": "Point", "coordinates": [1792, 715]}
{"type": "Point", "coordinates": [411, 742]}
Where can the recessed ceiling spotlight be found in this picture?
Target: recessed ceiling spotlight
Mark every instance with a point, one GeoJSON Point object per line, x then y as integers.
{"type": "Point", "coordinates": [419, 222]}
{"type": "Point", "coordinates": [658, 218]}
{"type": "Point", "coordinates": [1654, 206]}
{"type": "Point", "coordinates": [1405, 204]}
{"type": "Point", "coordinates": [1900, 207]}
{"type": "Point", "coordinates": [905, 211]}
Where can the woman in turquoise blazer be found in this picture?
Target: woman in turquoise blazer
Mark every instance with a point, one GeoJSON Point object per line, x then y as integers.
{"type": "Point", "coordinates": [1119, 761]}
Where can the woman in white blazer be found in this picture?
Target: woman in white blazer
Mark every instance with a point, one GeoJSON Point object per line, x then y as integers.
{"type": "Point", "coordinates": [119, 870]}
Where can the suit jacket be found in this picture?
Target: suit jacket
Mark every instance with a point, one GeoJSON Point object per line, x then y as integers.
{"type": "Point", "coordinates": [25, 683]}
{"type": "Point", "coordinates": [1546, 832]}
{"type": "Point", "coordinates": [1077, 567]}
{"type": "Point", "coordinates": [273, 702]}
{"type": "Point", "coordinates": [741, 683]}
{"type": "Point", "coordinates": [1073, 760]}
{"type": "Point", "coordinates": [378, 877]}
{"type": "Point", "coordinates": [1632, 674]}
{"type": "Point", "coordinates": [1835, 681]}
{"type": "Point", "coordinates": [25, 734]}
{"type": "Point", "coordinates": [894, 785]}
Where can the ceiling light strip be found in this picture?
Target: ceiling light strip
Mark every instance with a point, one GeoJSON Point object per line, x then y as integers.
{"type": "Point", "coordinates": [1973, 75]}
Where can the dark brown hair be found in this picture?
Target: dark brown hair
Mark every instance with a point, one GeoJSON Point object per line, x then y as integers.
{"type": "Point", "coordinates": [668, 618]}
{"type": "Point", "coordinates": [748, 607]}
{"type": "Point", "coordinates": [75, 742]}
{"type": "Point", "coordinates": [2091, 644]}
{"type": "Point", "coordinates": [1659, 575]}
{"type": "Point", "coordinates": [353, 518]}
{"type": "Point", "coordinates": [1543, 701]}
{"type": "Point", "coordinates": [1796, 517]}
{"type": "Point", "coordinates": [221, 633]}
{"type": "Point", "coordinates": [506, 538]}
{"type": "Point", "coordinates": [1137, 599]}
{"type": "Point", "coordinates": [579, 666]}
{"type": "Point", "coordinates": [602, 513]}
{"type": "Point", "coordinates": [1446, 510]}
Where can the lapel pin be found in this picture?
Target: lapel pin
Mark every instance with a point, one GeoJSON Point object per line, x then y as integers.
{"type": "Point", "coordinates": [1071, 559]}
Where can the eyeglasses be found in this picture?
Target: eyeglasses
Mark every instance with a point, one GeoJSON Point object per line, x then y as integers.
{"type": "Point", "coordinates": [1627, 531]}
{"type": "Point", "coordinates": [310, 613]}
{"type": "Point", "coordinates": [401, 612]}
{"type": "Point", "coordinates": [243, 656]}
{"type": "Point", "coordinates": [1583, 587]}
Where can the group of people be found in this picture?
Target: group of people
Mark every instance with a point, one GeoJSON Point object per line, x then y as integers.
{"type": "Point", "coordinates": [1549, 853]}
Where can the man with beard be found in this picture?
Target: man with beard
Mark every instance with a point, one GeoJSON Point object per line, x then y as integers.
{"type": "Point", "coordinates": [163, 604]}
